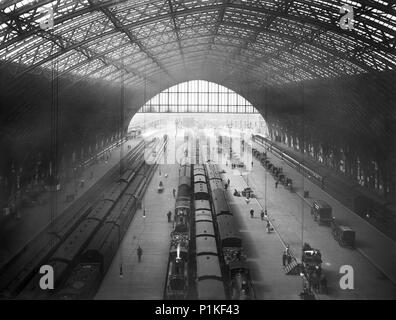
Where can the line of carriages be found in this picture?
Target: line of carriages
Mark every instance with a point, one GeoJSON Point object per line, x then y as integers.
{"type": "Point", "coordinates": [13, 275]}
{"type": "Point", "coordinates": [36, 252]}
{"type": "Point", "coordinates": [83, 257]}
{"type": "Point", "coordinates": [222, 272]}
{"type": "Point", "coordinates": [299, 166]}
{"type": "Point", "coordinates": [276, 172]}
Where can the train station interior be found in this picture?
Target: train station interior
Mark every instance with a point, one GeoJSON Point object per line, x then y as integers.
{"type": "Point", "coordinates": [197, 150]}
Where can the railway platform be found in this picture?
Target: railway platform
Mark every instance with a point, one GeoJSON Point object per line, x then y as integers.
{"type": "Point", "coordinates": [144, 280]}
{"type": "Point", "coordinates": [17, 234]}
{"type": "Point", "coordinates": [263, 250]}
{"type": "Point", "coordinates": [289, 212]}
{"type": "Point", "coordinates": [345, 190]}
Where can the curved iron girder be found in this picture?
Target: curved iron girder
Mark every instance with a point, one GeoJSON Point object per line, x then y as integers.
{"type": "Point", "coordinates": [272, 56]}
{"type": "Point", "coordinates": [253, 65]}
{"type": "Point", "coordinates": [300, 19]}
{"type": "Point", "coordinates": [217, 61]}
{"type": "Point", "coordinates": [236, 25]}
{"type": "Point", "coordinates": [132, 38]}
{"type": "Point", "coordinates": [176, 30]}
{"type": "Point", "coordinates": [267, 57]}
{"type": "Point", "coordinates": [292, 39]}
{"type": "Point", "coordinates": [388, 9]}
{"type": "Point", "coordinates": [60, 43]}
{"type": "Point", "coordinates": [326, 49]}
{"type": "Point", "coordinates": [214, 58]}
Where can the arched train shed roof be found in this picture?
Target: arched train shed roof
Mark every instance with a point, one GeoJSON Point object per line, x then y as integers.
{"type": "Point", "coordinates": [270, 42]}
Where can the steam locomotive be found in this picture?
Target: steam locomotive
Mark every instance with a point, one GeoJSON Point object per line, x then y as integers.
{"type": "Point", "coordinates": [177, 284]}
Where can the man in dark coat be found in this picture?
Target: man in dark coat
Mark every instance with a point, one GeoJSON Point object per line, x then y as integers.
{"type": "Point", "coordinates": [139, 253]}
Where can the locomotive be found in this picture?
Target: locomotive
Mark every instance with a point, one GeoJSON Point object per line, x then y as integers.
{"type": "Point", "coordinates": [177, 283]}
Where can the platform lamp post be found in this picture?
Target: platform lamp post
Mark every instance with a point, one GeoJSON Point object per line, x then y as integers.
{"type": "Point", "coordinates": [120, 249]}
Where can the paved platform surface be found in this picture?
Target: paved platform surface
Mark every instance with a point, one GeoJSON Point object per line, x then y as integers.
{"type": "Point", "coordinates": [16, 234]}
{"type": "Point", "coordinates": [263, 250]}
{"type": "Point", "coordinates": [144, 280]}
{"type": "Point", "coordinates": [374, 260]}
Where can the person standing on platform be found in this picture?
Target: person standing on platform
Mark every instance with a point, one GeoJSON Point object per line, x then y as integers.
{"type": "Point", "coordinates": [284, 258]}
{"type": "Point", "coordinates": [268, 227]}
{"type": "Point", "coordinates": [174, 193]}
{"type": "Point", "coordinates": [251, 213]}
{"type": "Point", "coordinates": [169, 214]}
{"type": "Point", "coordinates": [262, 214]}
{"type": "Point", "coordinates": [228, 181]}
{"type": "Point", "coordinates": [276, 183]}
{"type": "Point", "coordinates": [139, 253]}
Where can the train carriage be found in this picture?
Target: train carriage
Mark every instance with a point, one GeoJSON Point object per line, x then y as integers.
{"type": "Point", "coordinates": [101, 210]}
{"type": "Point", "coordinates": [211, 289]}
{"type": "Point", "coordinates": [185, 171]}
{"type": "Point", "coordinates": [103, 247]}
{"type": "Point", "coordinates": [199, 178]}
{"type": "Point", "coordinates": [206, 245]}
{"type": "Point", "coordinates": [213, 172]}
{"type": "Point", "coordinates": [203, 215]}
{"type": "Point", "coordinates": [228, 234]}
{"type": "Point", "coordinates": [69, 249]}
{"type": "Point", "coordinates": [127, 176]}
{"type": "Point", "coordinates": [115, 192]}
{"type": "Point", "coordinates": [199, 171]}
{"type": "Point", "coordinates": [82, 283]}
{"type": "Point", "coordinates": [198, 167]}
{"type": "Point", "coordinates": [210, 284]}
{"type": "Point", "coordinates": [202, 205]}
{"type": "Point", "coordinates": [208, 266]}
{"type": "Point", "coordinates": [201, 191]}
{"type": "Point", "coordinates": [203, 228]}
{"type": "Point", "coordinates": [220, 202]}
{"type": "Point", "coordinates": [216, 184]}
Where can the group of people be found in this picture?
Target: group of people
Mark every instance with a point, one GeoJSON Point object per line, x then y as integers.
{"type": "Point", "coordinates": [317, 282]}
{"type": "Point", "coordinates": [264, 217]}
{"type": "Point", "coordinates": [286, 257]}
